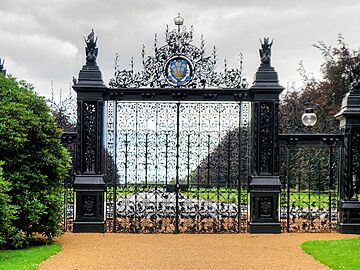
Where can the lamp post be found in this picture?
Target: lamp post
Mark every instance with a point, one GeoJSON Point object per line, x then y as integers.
{"type": "Point", "coordinates": [309, 117]}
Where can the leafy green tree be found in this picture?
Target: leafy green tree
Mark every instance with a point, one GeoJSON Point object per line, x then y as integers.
{"type": "Point", "coordinates": [9, 235]}
{"type": "Point", "coordinates": [35, 164]}
{"type": "Point", "coordinates": [326, 92]}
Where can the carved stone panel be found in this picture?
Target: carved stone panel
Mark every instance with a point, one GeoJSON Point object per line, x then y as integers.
{"type": "Point", "coordinates": [265, 206]}
{"type": "Point", "coordinates": [88, 206]}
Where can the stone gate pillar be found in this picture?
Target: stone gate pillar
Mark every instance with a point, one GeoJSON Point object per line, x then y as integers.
{"type": "Point", "coordinates": [89, 184]}
{"type": "Point", "coordinates": [349, 186]}
{"type": "Point", "coordinates": [264, 182]}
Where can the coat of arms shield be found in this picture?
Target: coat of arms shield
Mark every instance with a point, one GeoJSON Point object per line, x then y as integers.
{"type": "Point", "coordinates": [178, 71]}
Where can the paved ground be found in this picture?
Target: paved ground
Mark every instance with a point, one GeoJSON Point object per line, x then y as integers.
{"type": "Point", "coordinates": [184, 251]}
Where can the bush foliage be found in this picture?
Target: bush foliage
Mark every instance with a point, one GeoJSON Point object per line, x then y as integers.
{"type": "Point", "coordinates": [33, 168]}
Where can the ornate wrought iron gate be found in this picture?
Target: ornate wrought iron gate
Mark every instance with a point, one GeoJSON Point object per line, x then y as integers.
{"type": "Point", "coordinates": [176, 153]}
{"type": "Point", "coordinates": [177, 166]}
{"type": "Point", "coordinates": [310, 172]}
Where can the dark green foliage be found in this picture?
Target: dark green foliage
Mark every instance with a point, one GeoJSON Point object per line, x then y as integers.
{"type": "Point", "coordinates": [327, 92]}
{"type": "Point", "coordinates": [35, 165]}
{"type": "Point", "coordinates": [8, 213]}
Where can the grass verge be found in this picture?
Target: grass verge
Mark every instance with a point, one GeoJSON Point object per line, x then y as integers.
{"type": "Point", "coordinates": [27, 259]}
{"type": "Point", "coordinates": [336, 254]}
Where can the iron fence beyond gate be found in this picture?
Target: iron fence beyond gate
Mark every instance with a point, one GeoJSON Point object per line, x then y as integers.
{"type": "Point", "coordinates": [310, 168]}
{"type": "Point", "coordinates": [69, 141]}
{"type": "Point", "coordinates": [177, 167]}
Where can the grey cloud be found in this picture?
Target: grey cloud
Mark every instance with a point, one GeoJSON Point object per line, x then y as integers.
{"type": "Point", "coordinates": [42, 40]}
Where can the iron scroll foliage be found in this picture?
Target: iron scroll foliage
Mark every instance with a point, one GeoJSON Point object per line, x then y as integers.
{"type": "Point", "coordinates": [201, 67]}
{"type": "Point", "coordinates": [266, 137]}
{"type": "Point", "coordinates": [355, 137]}
{"type": "Point", "coordinates": [309, 196]}
{"type": "Point", "coordinates": [156, 149]}
{"type": "Point", "coordinates": [89, 116]}
{"type": "Point", "coordinates": [65, 113]}
{"type": "Point", "coordinates": [356, 161]}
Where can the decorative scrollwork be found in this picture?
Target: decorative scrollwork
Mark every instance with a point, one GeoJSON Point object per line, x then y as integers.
{"type": "Point", "coordinates": [177, 181]}
{"type": "Point", "coordinates": [355, 154]}
{"type": "Point", "coordinates": [266, 137]}
{"type": "Point", "coordinates": [179, 64]}
{"type": "Point", "coordinates": [265, 207]}
{"type": "Point", "coordinates": [309, 196]}
{"type": "Point", "coordinates": [90, 136]}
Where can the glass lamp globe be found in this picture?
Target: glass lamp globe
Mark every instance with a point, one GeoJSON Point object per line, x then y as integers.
{"type": "Point", "coordinates": [179, 20]}
{"type": "Point", "coordinates": [309, 118]}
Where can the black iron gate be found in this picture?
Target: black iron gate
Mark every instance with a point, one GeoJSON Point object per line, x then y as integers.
{"type": "Point", "coordinates": [177, 166]}
{"type": "Point", "coordinates": [173, 154]}
{"type": "Point", "coordinates": [310, 171]}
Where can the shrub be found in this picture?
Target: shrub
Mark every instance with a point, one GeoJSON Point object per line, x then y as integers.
{"type": "Point", "coordinates": [34, 168]}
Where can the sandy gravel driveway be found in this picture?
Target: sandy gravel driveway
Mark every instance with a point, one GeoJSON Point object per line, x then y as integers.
{"type": "Point", "coordinates": [184, 251]}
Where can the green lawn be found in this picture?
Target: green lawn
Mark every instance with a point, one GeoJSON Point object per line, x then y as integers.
{"type": "Point", "coordinates": [26, 259]}
{"type": "Point", "coordinates": [341, 254]}
{"type": "Point", "coordinates": [312, 199]}
{"type": "Point", "coordinates": [220, 194]}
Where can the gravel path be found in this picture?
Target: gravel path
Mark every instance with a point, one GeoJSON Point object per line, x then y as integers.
{"type": "Point", "coordinates": [184, 251]}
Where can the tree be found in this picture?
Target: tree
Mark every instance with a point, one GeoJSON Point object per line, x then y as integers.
{"type": "Point", "coordinates": [221, 166]}
{"type": "Point", "coordinates": [65, 112]}
{"type": "Point", "coordinates": [327, 92]}
{"type": "Point", "coordinates": [35, 164]}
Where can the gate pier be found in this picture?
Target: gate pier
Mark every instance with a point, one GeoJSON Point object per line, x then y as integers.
{"type": "Point", "coordinates": [89, 182]}
{"type": "Point", "coordinates": [265, 184]}
{"type": "Point", "coordinates": [176, 138]}
{"type": "Point", "coordinates": [349, 116]}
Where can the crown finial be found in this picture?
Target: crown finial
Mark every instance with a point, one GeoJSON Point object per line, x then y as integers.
{"type": "Point", "coordinates": [179, 20]}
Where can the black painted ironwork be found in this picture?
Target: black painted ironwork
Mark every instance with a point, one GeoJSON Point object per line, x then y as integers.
{"type": "Point", "coordinates": [177, 166]}
{"type": "Point", "coordinates": [69, 140]}
{"type": "Point", "coordinates": [2, 66]}
{"type": "Point", "coordinates": [179, 64]}
{"type": "Point", "coordinates": [89, 182]}
{"type": "Point", "coordinates": [177, 157]}
{"type": "Point", "coordinates": [310, 171]}
{"type": "Point", "coordinates": [264, 176]}
{"type": "Point", "coordinates": [349, 116]}
{"type": "Point", "coordinates": [180, 155]}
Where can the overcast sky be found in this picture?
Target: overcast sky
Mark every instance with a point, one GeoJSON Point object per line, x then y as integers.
{"type": "Point", "coordinates": [42, 40]}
